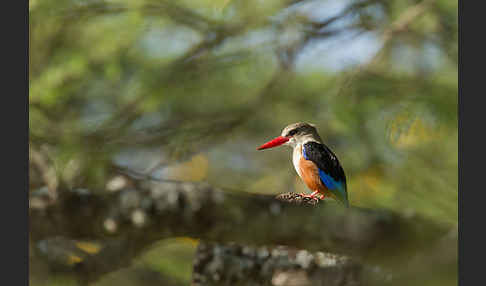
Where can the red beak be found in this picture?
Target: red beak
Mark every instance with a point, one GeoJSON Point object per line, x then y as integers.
{"type": "Point", "coordinates": [275, 142]}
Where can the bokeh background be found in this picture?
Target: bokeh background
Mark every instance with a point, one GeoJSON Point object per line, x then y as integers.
{"type": "Point", "coordinates": [186, 90]}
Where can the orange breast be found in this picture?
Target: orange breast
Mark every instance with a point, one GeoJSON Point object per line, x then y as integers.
{"type": "Point", "coordinates": [310, 175]}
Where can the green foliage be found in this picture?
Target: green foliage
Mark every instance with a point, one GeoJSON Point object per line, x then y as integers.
{"type": "Point", "coordinates": [173, 258]}
{"type": "Point", "coordinates": [217, 78]}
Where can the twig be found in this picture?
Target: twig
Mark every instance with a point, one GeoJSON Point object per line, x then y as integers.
{"type": "Point", "coordinates": [400, 25]}
{"type": "Point", "coordinates": [48, 173]}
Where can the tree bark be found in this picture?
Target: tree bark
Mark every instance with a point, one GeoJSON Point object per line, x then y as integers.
{"type": "Point", "coordinates": [217, 264]}
{"type": "Point", "coordinates": [128, 220]}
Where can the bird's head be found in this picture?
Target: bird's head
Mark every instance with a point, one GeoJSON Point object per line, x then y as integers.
{"type": "Point", "coordinates": [293, 135]}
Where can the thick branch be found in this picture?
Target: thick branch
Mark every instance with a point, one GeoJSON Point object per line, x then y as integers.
{"type": "Point", "coordinates": [231, 264]}
{"type": "Point", "coordinates": [131, 219]}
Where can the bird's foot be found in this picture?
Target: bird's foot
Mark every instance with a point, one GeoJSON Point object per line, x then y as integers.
{"type": "Point", "coordinates": [314, 196]}
{"type": "Point", "coordinates": [309, 197]}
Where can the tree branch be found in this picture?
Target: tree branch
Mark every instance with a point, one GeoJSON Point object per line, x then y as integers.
{"type": "Point", "coordinates": [231, 264]}
{"type": "Point", "coordinates": [129, 220]}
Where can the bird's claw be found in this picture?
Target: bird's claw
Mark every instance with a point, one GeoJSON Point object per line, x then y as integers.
{"type": "Point", "coordinates": [311, 196]}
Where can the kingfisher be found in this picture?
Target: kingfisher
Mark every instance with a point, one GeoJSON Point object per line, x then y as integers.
{"type": "Point", "coordinates": [314, 162]}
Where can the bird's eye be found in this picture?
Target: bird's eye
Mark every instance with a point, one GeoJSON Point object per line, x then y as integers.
{"type": "Point", "coordinates": [292, 132]}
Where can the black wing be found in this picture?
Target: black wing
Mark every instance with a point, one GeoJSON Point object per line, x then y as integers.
{"type": "Point", "coordinates": [330, 170]}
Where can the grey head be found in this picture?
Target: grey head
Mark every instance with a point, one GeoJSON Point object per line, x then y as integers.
{"type": "Point", "coordinates": [301, 133]}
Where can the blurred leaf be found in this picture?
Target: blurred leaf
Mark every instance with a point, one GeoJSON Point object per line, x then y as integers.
{"type": "Point", "coordinates": [89, 247]}
{"type": "Point", "coordinates": [173, 257]}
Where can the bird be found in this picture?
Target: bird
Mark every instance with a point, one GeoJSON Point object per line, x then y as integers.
{"type": "Point", "coordinates": [313, 161]}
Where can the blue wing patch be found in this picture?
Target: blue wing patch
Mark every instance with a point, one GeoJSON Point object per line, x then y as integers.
{"type": "Point", "coordinates": [330, 183]}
